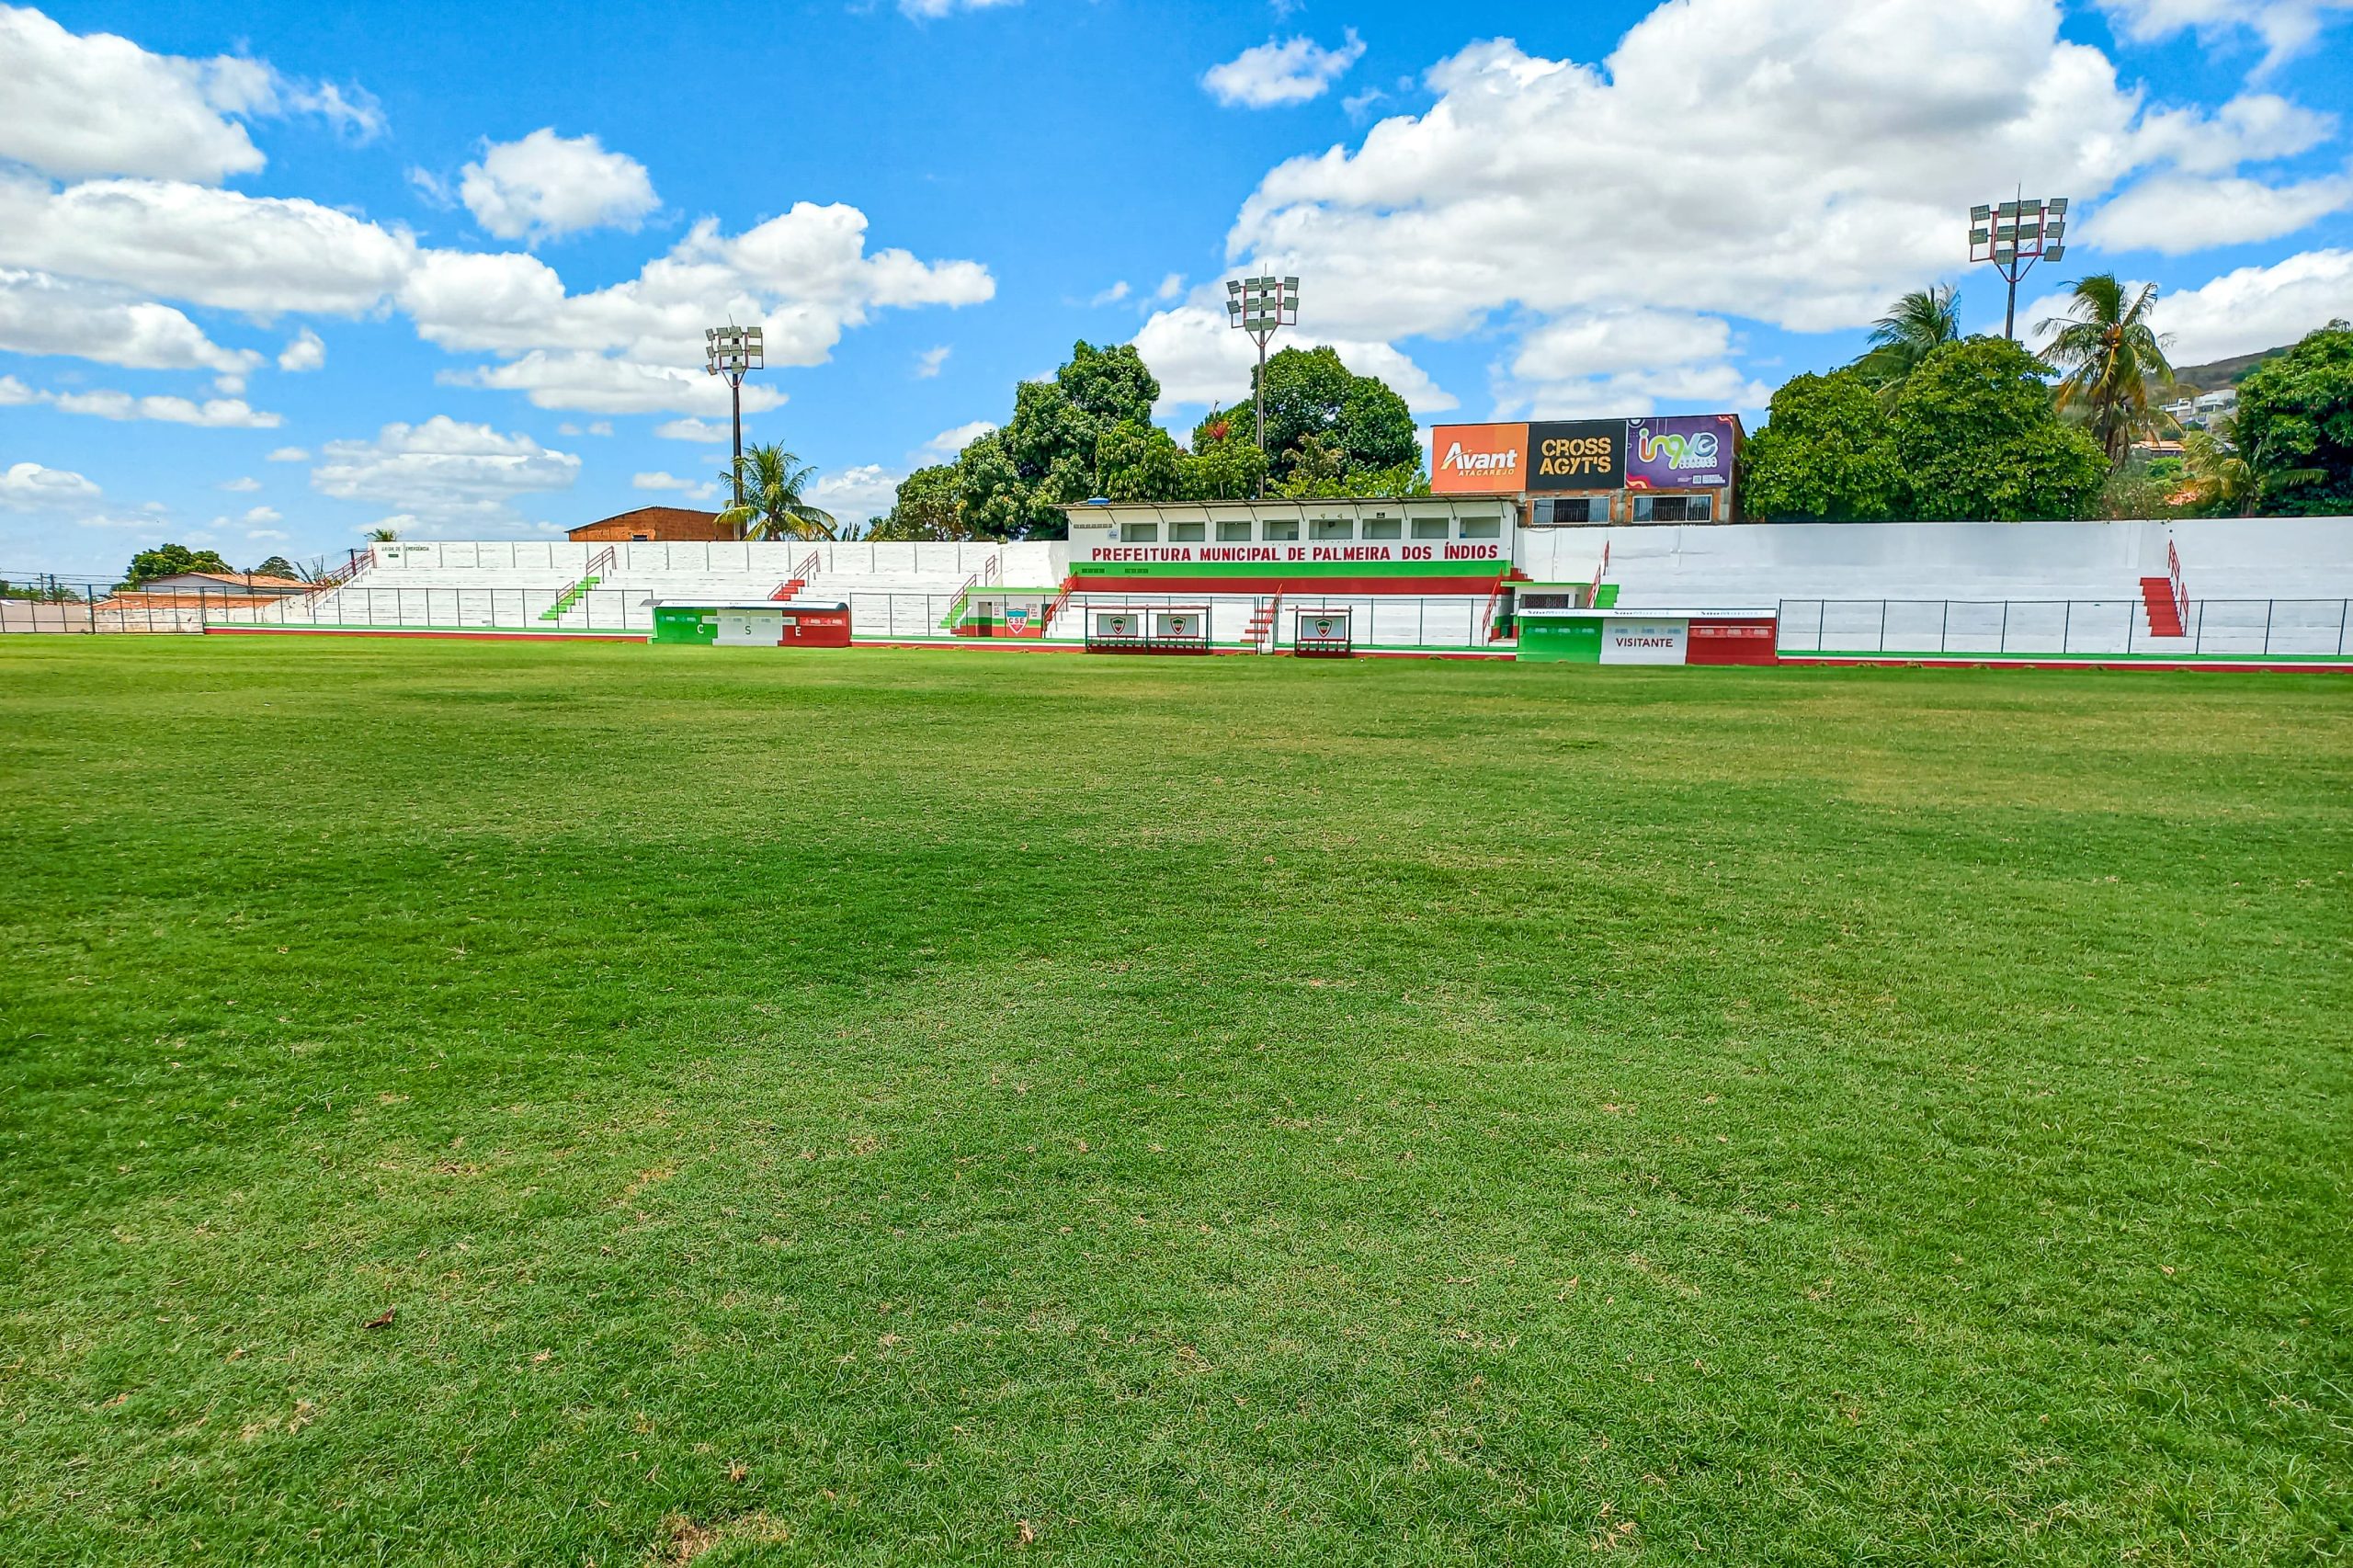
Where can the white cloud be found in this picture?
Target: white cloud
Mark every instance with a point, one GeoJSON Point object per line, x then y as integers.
{"type": "Point", "coordinates": [258, 254]}
{"type": "Point", "coordinates": [594, 427]}
{"type": "Point", "coordinates": [931, 10]}
{"type": "Point", "coordinates": [1198, 358]}
{"type": "Point", "coordinates": [267, 534]}
{"type": "Point", "coordinates": [13, 390]}
{"type": "Point", "coordinates": [948, 443]}
{"type": "Point", "coordinates": [228, 386]}
{"type": "Point", "coordinates": [931, 361]}
{"type": "Point", "coordinates": [443, 469]}
{"type": "Point", "coordinates": [2286, 28]}
{"type": "Point", "coordinates": [262, 516]}
{"type": "Point", "coordinates": [289, 455]}
{"type": "Point", "coordinates": [2242, 311]}
{"type": "Point", "coordinates": [1602, 343]}
{"type": "Point", "coordinates": [96, 104]}
{"type": "Point", "coordinates": [245, 485]}
{"type": "Point", "coordinates": [855, 494]}
{"type": "Point", "coordinates": [699, 490]}
{"type": "Point", "coordinates": [307, 351]}
{"type": "Point", "coordinates": [2250, 128]}
{"type": "Point", "coordinates": [1633, 392]}
{"type": "Point", "coordinates": [29, 487]}
{"type": "Point", "coordinates": [709, 432]}
{"type": "Point", "coordinates": [1291, 71]}
{"type": "Point", "coordinates": [2175, 213]}
{"type": "Point", "coordinates": [219, 414]}
{"type": "Point", "coordinates": [545, 186]}
{"type": "Point", "coordinates": [606, 383]}
{"type": "Point", "coordinates": [44, 314]}
{"type": "Point", "coordinates": [1113, 295]}
{"type": "Point", "coordinates": [1171, 289]}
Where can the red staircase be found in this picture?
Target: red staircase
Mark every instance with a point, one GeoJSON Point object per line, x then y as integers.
{"type": "Point", "coordinates": [1260, 633]}
{"type": "Point", "coordinates": [2163, 609]}
{"type": "Point", "coordinates": [791, 587]}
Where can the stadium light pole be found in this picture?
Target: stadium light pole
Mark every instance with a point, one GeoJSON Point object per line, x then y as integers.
{"type": "Point", "coordinates": [731, 351]}
{"type": "Point", "coordinates": [2014, 235]}
{"type": "Point", "coordinates": [1261, 307]}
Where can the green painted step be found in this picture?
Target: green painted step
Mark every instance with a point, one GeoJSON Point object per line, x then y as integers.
{"type": "Point", "coordinates": [1605, 596]}
{"type": "Point", "coordinates": [570, 597]}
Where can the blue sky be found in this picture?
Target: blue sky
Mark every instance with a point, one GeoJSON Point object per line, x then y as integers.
{"type": "Point", "coordinates": [272, 276]}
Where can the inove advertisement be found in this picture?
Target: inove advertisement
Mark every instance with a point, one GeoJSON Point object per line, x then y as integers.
{"type": "Point", "coordinates": [1691, 451]}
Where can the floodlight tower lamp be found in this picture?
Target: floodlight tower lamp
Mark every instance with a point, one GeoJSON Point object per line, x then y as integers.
{"type": "Point", "coordinates": [734, 351]}
{"type": "Point", "coordinates": [2015, 235]}
{"type": "Point", "coordinates": [1262, 307]}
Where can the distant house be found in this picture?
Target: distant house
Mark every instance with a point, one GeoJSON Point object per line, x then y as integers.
{"type": "Point", "coordinates": [682, 524]}
{"type": "Point", "coordinates": [246, 584]}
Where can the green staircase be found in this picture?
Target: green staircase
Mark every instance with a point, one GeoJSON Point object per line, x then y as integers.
{"type": "Point", "coordinates": [1606, 596]}
{"type": "Point", "coordinates": [570, 597]}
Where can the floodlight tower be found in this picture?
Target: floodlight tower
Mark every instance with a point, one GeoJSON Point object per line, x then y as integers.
{"type": "Point", "coordinates": [2014, 235]}
{"type": "Point", "coordinates": [1261, 307]}
{"type": "Point", "coordinates": [731, 351]}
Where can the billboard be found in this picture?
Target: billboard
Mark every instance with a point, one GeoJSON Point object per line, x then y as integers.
{"type": "Point", "coordinates": [1479, 459]}
{"type": "Point", "coordinates": [1681, 452]}
{"type": "Point", "coordinates": [1578, 454]}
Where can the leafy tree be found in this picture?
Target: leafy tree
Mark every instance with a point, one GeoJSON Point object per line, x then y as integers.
{"type": "Point", "coordinates": [383, 536]}
{"type": "Point", "coordinates": [276, 566]}
{"type": "Point", "coordinates": [2295, 427]}
{"type": "Point", "coordinates": [1137, 461]}
{"type": "Point", "coordinates": [1054, 451]}
{"type": "Point", "coordinates": [924, 508]}
{"type": "Point", "coordinates": [1826, 454]}
{"type": "Point", "coordinates": [1224, 464]}
{"type": "Point", "coordinates": [1922, 322]}
{"type": "Point", "coordinates": [1978, 438]}
{"type": "Point", "coordinates": [2112, 357]}
{"type": "Point", "coordinates": [1311, 393]}
{"type": "Point", "coordinates": [2217, 474]}
{"type": "Point", "coordinates": [169, 560]}
{"type": "Point", "coordinates": [774, 506]}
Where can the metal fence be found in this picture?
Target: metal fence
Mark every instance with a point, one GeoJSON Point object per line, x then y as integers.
{"type": "Point", "coordinates": [2018, 628]}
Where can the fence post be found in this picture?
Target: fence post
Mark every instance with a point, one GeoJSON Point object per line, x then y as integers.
{"type": "Point", "coordinates": [2066, 625]}
{"type": "Point", "coordinates": [2198, 638]}
{"type": "Point", "coordinates": [2268, 605]}
{"type": "Point", "coordinates": [1944, 626]}
{"type": "Point", "coordinates": [2003, 647]}
{"type": "Point", "coordinates": [1883, 626]}
{"type": "Point", "coordinates": [2340, 627]}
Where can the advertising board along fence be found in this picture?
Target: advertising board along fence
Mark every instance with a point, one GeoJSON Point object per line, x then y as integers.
{"type": "Point", "coordinates": [2117, 627]}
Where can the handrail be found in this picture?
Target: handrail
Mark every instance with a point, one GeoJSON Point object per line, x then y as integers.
{"type": "Point", "coordinates": [1046, 622]}
{"type": "Point", "coordinates": [1487, 611]}
{"type": "Point", "coordinates": [956, 603]}
{"type": "Point", "coordinates": [808, 567]}
{"type": "Point", "coordinates": [604, 558]}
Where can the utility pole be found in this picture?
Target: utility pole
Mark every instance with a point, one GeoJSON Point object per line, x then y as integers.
{"type": "Point", "coordinates": [1261, 307]}
{"type": "Point", "coordinates": [731, 351]}
{"type": "Point", "coordinates": [2014, 235]}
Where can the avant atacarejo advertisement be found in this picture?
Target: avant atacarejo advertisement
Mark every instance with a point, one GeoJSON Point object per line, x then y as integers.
{"type": "Point", "coordinates": [1689, 451]}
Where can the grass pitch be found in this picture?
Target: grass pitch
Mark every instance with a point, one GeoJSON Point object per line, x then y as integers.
{"type": "Point", "coordinates": [890, 1108]}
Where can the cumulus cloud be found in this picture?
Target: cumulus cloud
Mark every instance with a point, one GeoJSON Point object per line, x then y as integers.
{"type": "Point", "coordinates": [2286, 28]}
{"type": "Point", "coordinates": [855, 494]}
{"type": "Point", "coordinates": [948, 443]}
{"type": "Point", "coordinates": [545, 186]}
{"type": "Point", "coordinates": [1291, 71]}
{"type": "Point", "coordinates": [931, 10]}
{"type": "Point", "coordinates": [306, 352]}
{"type": "Point", "coordinates": [218, 413]}
{"type": "Point", "coordinates": [2244, 310]}
{"type": "Point", "coordinates": [2176, 213]}
{"type": "Point", "coordinates": [40, 314]}
{"type": "Point", "coordinates": [1198, 358]}
{"type": "Point", "coordinates": [443, 469]}
{"type": "Point", "coordinates": [709, 432]}
{"type": "Point", "coordinates": [700, 490]}
{"type": "Point", "coordinates": [289, 455]}
{"type": "Point", "coordinates": [30, 487]}
{"type": "Point", "coordinates": [243, 485]}
{"type": "Point", "coordinates": [79, 105]}
{"type": "Point", "coordinates": [931, 361]}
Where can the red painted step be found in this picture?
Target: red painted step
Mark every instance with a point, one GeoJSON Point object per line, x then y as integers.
{"type": "Point", "coordinates": [789, 590]}
{"type": "Point", "coordinates": [2165, 614]}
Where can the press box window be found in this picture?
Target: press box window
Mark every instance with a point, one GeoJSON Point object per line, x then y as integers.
{"type": "Point", "coordinates": [1233, 533]}
{"type": "Point", "coordinates": [1483, 528]}
{"type": "Point", "coordinates": [1331, 527]}
{"type": "Point", "coordinates": [1569, 509]}
{"type": "Point", "coordinates": [1674, 509]}
{"type": "Point", "coordinates": [1429, 528]}
{"type": "Point", "coordinates": [1286, 529]}
{"type": "Point", "coordinates": [1384, 527]}
{"type": "Point", "coordinates": [1139, 533]}
{"type": "Point", "coordinates": [1185, 533]}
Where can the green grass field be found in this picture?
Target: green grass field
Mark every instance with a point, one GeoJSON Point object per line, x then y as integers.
{"type": "Point", "coordinates": [893, 1108]}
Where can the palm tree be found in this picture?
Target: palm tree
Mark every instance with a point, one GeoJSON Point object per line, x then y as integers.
{"type": "Point", "coordinates": [1922, 322]}
{"type": "Point", "coordinates": [773, 480]}
{"type": "Point", "coordinates": [383, 536]}
{"type": "Point", "coordinates": [2112, 357]}
{"type": "Point", "coordinates": [2219, 474]}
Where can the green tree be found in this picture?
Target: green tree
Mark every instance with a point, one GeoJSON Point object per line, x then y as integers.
{"type": "Point", "coordinates": [1224, 464]}
{"type": "Point", "coordinates": [2295, 427]}
{"type": "Point", "coordinates": [2112, 357]}
{"type": "Point", "coordinates": [1922, 322]}
{"type": "Point", "coordinates": [1826, 454]}
{"type": "Point", "coordinates": [1137, 461]}
{"type": "Point", "coordinates": [924, 508]}
{"type": "Point", "coordinates": [382, 535]}
{"type": "Point", "coordinates": [169, 560]}
{"type": "Point", "coordinates": [1310, 393]}
{"type": "Point", "coordinates": [2217, 474]}
{"type": "Point", "coordinates": [775, 505]}
{"type": "Point", "coordinates": [276, 566]}
{"type": "Point", "coordinates": [1979, 439]}
{"type": "Point", "coordinates": [1052, 452]}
